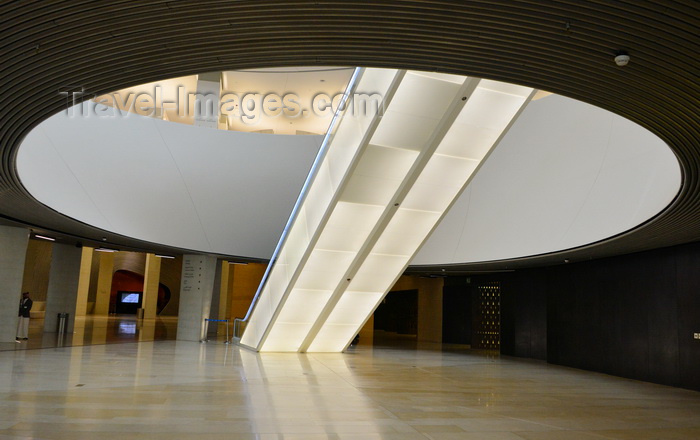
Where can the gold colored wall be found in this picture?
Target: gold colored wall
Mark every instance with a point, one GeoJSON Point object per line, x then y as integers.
{"type": "Point", "coordinates": [36, 269]}
{"type": "Point", "coordinates": [170, 272]}
{"type": "Point", "coordinates": [429, 305]}
{"type": "Point", "coordinates": [243, 283]}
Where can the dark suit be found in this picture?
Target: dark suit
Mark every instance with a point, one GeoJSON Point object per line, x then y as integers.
{"type": "Point", "coordinates": [25, 306]}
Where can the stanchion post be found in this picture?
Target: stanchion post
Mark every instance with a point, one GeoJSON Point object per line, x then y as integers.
{"type": "Point", "coordinates": [206, 328]}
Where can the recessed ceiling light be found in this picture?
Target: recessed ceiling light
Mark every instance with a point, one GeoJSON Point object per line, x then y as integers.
{"type": "Point", "coordinates": [102, 249]}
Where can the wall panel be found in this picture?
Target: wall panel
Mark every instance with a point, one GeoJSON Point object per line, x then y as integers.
{"type": "Point", "coordinates": [631, 316]}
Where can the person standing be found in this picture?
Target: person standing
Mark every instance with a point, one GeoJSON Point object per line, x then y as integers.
{"type": "Point", "coordinates": [25, 305]}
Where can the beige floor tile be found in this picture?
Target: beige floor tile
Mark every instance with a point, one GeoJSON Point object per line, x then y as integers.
{"type": "Point", "coordinates": [181, 390]}
{"type": "Point", "coordinates": [654, 434]}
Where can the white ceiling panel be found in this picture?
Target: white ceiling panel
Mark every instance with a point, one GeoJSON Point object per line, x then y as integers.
{"type": "Point", "coordinates": [565, 175]}
{"type": "Point", "coordinates": [197, 188]}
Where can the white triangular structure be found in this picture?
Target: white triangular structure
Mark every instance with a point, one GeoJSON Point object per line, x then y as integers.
{"type": "Point", "coordinates": [382, 182]}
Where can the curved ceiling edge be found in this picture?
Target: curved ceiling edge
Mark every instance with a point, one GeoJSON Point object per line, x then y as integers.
{"type": "Point", "coordinates": [566, 174]}
{"type": "Point", "coordinates": [208, 190]}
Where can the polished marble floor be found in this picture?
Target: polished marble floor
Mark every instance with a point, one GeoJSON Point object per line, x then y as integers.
{"type": "Point", "coordinates": [187, 390]}
{"type": "Point", "coordinates": [91, 330]}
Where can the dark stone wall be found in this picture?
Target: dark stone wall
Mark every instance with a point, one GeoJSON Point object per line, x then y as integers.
{"type": "Point", "coordinates": [524, 315]}
{"type": "Point", "coordinates": [631, 316]}
{"type": "Point", "coordinates": [457, 311]}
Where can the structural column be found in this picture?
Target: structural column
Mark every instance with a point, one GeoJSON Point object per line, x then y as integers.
{"type": "Point", "coordinates": [196, 289]}
{"type": "Point", "coordinates": [244, 280]}
{"type": "Point", "coordinates": [206, 112]}
{"type": "Point", "coordinates": [224, 297]}
{"type": "Point", "coordinates": [430, 309]}
{"type": "Point", "coordinates": [104, 283]}
{"type": "Point", "coordinates": [151, 280]}
{"type": "Point", "coordinates": [64, 278]}
{"type": "Point", "coordinates": [13, 249]}
{"type": "Point", "coordinates": [84, 281]}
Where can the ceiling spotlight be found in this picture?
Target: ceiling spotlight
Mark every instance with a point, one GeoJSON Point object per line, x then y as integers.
{"type": "Point", "coordinates": [622, 59]}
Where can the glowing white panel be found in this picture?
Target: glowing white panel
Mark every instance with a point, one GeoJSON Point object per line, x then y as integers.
{"type": "Point", "coordinates": [353, 305]}
{"type": "Point", "coordinates": [278, 281]}
{"type": "Point", "coordinates": [406, 231]}
{"type": "Point", "coordinates": [296, 318]}
{"type": "Point", "coordinates": [318, 199]}
{"type": "Point", "coordinates": [420, 95]}
{"type": "Point", "coordinates": [285, 336]}
{"type": "Point", "coordinates": [441, 180]}
{"type": "Point", "coordinates": [374, 81]}
{"type": "Point", "coordinates": [345, 320]}
{"type": "Point", "coordinates": [429, 197]}
{"type": "Point", "coordinates": [480, 123]}
{"type": "Point", "coordinates": [303, 303]}
{"type": "Point", "coordinates": [370, 190]}
{"type": "Point", "coordinates": [408, 228]}
{"type": "Point", "coordinates": [345, 141]}
{"type": "Point", "coordinates": [413, 222]}
{"type": "Point", "coordinates": [448, 170]}
{"type": "Point", "coordinates": [457, 79]}
{"type": "Point", "coordinates": [377, 270]}
{"type": "Point", "coordinates": [379, 173]}
{"type": "Point", "coordinates": [348, 227]}
{"type": "Point", "coordinates": [364, 235]}
{"type": "Point", "coordinates": [297, 239]}
{"type": "Point", "coordinates": [496, 109]}
{"type": "Point", "coordinates": [388, 162]}
{"type": "Point", "coordinates": [338, 160]}
{"type": "Point", "coordinates": [333, 338]}
{"type": "Point", "coordinates": [352, 129]}
{"type": "Point", "coordinates": [324, 269]}
{"type": "Point", "coordinates": [506, 88]}
{"type": "Point", "coordinates": [353, 215]}
{"type": "Point", "coordinates": [335, 228]}
{"type": "Point", "coordinates": [255, 328]}
{"type": "Point", "coordinates": [401, 130]}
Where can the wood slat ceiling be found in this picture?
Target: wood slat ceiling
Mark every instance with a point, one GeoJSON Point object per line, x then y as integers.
{"type": "Point", "coordinates": [566, 47]}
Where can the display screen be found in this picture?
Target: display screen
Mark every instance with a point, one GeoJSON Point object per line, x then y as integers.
{"type": "Point", "coordinates": [130, 297]}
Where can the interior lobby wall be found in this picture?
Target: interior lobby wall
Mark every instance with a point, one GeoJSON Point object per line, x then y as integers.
{"type": "Point", "coordinates": [429, 305]}
{"type": "Point", "coordinates": [94, 274]}
{"type": "Point", "coordinates": [524, 314]}
{"type": "Point", "coordinates": [170, 274]}
{"type": "Point", "coordinates": [632, 316]}
{"type": "Point", "coordinates": [243, 281]}
{"type": "Point", "coordinates": [36, 269]}
{"type": "Point", "coordinates": [131, 261]}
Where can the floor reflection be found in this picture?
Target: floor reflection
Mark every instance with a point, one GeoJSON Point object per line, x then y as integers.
{"type": "Point", "coordinates": [95, 330]}
{"type": "Point", "coordinates": [169, 390]}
